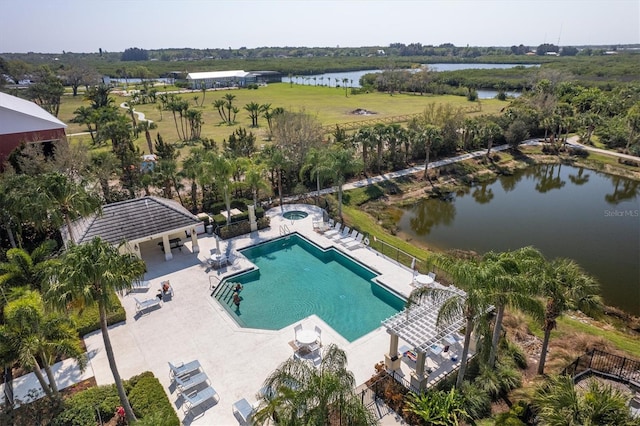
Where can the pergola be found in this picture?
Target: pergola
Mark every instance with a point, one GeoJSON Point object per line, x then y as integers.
{"type": "Point", "coordinates": [419, 327]}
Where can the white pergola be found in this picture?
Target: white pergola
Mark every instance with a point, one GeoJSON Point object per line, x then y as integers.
{"type": "Point", "coordinates": [419, 327]}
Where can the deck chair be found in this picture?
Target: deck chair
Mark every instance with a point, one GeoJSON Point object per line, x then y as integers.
{"type": "Point", "coordinates": [432, 275]}
{"type": "Point", "coordinates": [355, 244]}
{"type": "Point", "coordinates": [333, 231]}
{"type": "Point", "coordinates": [187, 383]}
{"type": "Point", "coordinates": [243, 408]}
{"type": "Point", "coordinates": [343, 234]}
{"type": "Point", "coordinates": [196, 398]}
{"type": "Point", "coordinates": [295, 331]}
{"type": "Point", "coordinates": [183, 369]}
{"type": "Point", "coordinates": [143, 305]}
{"type": "Point", "coordinates": [318, 331]}
{"type": "Point", "coordinates": [351, 238]}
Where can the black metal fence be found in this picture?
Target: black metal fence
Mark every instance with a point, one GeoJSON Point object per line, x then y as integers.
{"type": "Point", "coordinates": [608, 365]}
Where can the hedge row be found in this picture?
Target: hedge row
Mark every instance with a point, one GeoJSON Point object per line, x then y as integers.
{"type": "Point", "coordinates": [88, 319]}
{"type": "Point", "coordinates": [146, 395]}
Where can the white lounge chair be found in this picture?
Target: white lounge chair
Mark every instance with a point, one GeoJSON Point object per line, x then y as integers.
{"type": "Point", "coordinates": [333, 231]}
{"type": "Point", "coordinates": [297, 328]}
{"type": "Point", "coordinates": [343, 234]}
{"type": "Point", "coordinates": [355, 244]}
{"type": "Point", "coordinates": [243, 408]}
{"type": "Point", "coordinates": [187, 383]}
{"type": "Point", "coordinates": [194, 399]}
{"type": "Point", "coordinates": [182, 369]}
{"type": "Point", "coordinates": [318, 331]}
{"type": "Point", "coordinates": [351, 238]}
{"type": "Point", "coordinates": [143, 305]}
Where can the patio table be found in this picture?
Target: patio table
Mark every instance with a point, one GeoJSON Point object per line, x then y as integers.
{"type": "Point", "coordinates": [306, 337]}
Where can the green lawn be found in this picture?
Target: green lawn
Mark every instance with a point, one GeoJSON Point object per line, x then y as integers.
{"type": "Point", "coordinates": [328, 104]}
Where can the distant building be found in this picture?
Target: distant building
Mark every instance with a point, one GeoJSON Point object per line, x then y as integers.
{"type": "Point", "coordinates": [237, 78]}
{"type": "Point", "coordinates": [24, 121]}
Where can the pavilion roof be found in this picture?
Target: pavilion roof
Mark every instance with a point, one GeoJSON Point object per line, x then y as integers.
{"type": "Point", "coordinates": [419, 326]}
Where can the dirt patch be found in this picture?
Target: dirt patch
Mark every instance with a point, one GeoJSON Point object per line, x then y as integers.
{"type": "Point", "coordinates": [362, 111]}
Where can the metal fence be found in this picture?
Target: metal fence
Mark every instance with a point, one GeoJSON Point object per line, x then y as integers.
{"type": "Point", "coordinates": [604, 364]}
{"type": "Point", "coordinates": [399, 256]}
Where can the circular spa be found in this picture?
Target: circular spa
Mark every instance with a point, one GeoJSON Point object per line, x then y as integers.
{"type": "Point", "coordinates": [295, 215]}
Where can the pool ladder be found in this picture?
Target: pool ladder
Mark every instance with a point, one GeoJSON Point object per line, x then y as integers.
{"type": "Point", "coordinates": [284, 230]}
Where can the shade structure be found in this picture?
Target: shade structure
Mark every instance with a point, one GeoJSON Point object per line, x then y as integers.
{"type": "Point", "coordinates": [419, 326]}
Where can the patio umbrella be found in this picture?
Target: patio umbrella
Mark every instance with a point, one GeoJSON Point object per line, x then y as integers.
{"type": "Point", "coordinates": [413, 264]}
{"type": "Point", "coordinates": [217, 244]}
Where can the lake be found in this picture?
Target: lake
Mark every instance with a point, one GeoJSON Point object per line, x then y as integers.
{"type": "Point", "coordinates": [333, 78]}
{"type": "Point", "coordinates": [563, 211]}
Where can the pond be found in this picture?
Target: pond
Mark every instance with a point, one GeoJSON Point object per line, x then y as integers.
{"type": "Point", "coordinates": [562, 210]}
{"type": "Point", "coordinates": [334, 79]}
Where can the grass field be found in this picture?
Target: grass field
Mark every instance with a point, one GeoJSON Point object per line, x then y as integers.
{"type": "Point", "coordinates": [328, 104]}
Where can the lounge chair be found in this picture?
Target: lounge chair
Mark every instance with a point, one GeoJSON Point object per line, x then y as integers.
{"type": "Point", "coordinates": [243, 408]}
{"type": "Point", "coordinates": [351, 238]}
{"type": "Point", "coordinates": [432, 275]}
{"type": "Point", "coordinates": [318, 331]}
{"type": "Point", "coordinates": [333, 231]}
{"type": "Point", "coordinates": [343, 234]}
{"type": "Point", "coordinates": [295, 331]}
{"type": "Point", "coordinates": [187, 383]}
{"type": "Point", "coordinates": [182, 369]}
{"type": "Point", "coordinates": [143, 305]}
{"type": "Point", "coordinates": [196, 398]}
{"type": "Point", "coordinates": [355, 244]}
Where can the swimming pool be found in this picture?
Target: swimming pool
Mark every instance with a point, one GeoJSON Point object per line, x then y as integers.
{"type": "Point", "coordinates": [296, 279]}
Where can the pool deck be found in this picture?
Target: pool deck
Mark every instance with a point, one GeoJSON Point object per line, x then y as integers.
{"type": "Point", "coordinates": [192, 325]}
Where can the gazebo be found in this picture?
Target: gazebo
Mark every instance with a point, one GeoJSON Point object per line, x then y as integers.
{"type": "Point", "coordinates": [419, 327]}
{"type": "Point", "coordinates": [133, 222]}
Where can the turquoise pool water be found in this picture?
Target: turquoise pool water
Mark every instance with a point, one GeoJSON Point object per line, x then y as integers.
{"type": "Point", "coordinates": [296, 279]}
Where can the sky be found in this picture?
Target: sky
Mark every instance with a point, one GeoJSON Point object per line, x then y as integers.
{"type": "Point", "coordinates": [53, 26]}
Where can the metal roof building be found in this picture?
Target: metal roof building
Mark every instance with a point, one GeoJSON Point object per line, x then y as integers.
{"type": "Point", "coordinates": [24, 121]}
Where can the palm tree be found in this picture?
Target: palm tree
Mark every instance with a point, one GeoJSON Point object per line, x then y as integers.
{"type": "Point", "coordinates": [430, 135]}
{"type": "Point", "coordinates": [87, 275]}
{"type": "Point", "coordinates": [365, 137]}
{"type": "Point", "coordinates": [253, 108]}
{"type": "Point", "coordinates": [491, 131]}
{"type": "Point", "coordinates": [37, 338]}
{"type": "Point", "coordinates": [298, 393]}
{"type": "Point", "coordinates": [514, 286]}
{"type": "Point", "coordinates": [559, 402]}
{"type": "Point", "coordinates": [218, 104]}
{"type": "Point", "coordinates": [472, 276]}
{"type": "Point", "coordinates": [219, 170]}
{"type": "Point", "coordinates": [342, 163]}
{"type": "Point", "coordinates": [24, 269]}
{"type": "Point", "coordinates": [254, 179]}
{"type": "Point", "coordinates": [316, 164]}
{"type": "Point", "coordinates": [67, 200]}
{"type": "Point", "coordinates": [278, 162]}
{"type": "Point", "coordinates": [565, 286]}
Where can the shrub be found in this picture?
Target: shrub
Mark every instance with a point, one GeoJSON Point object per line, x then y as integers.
{"type": "Point", "coordinates": [148, 398]}
{"type": "Point", "coordinates": [146, 395]}
{"type": "Point", "coordinates": [87, 320]}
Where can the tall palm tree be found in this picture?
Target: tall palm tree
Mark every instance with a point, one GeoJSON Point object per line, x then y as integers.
{"type": "Point", "coordinates": [316, 164]}
{"type": "Point", "coordinates": [67, 200]}
{"type": "Point", "coordinates": [365, 138]}
{"type": "Point", "coordinates": [342, 163]}
{"type": "Point", "coordinates": [429, 135]}
{"type": "Point", "coordinates": [514, 286]}
{"type": "Point", "coordinates": [87, 275]}
{"type": "Point", "coordinates": [218, 104]}
{"type": "Point", "coordinates": [278, 162]}
{"type": "Point", "coordinates": [472, 276]}
{"type": "Point", "coordinates": [565, 286]}
{"type": "Point", "coordinates": [298, 393]}
{"type": "Point", "coordinates": [253, 108]}
{"type": "Point", "coordinates": [255, 180]}
{"type": "Point", "coordinates": [37, 338]}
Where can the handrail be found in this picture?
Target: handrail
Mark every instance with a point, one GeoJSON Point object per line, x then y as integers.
{"type": "Point", "coordinates": [284, 229]}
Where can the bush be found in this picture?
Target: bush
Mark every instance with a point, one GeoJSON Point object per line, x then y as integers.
{"type": "Point", "coordinates": [148, 398]}
{"type": "Point", "coordinates": [146, 395]}
{"type": "Point", "coordinates": [87, 320]}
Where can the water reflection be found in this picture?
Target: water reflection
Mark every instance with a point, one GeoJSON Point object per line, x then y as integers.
{"type": "Point", "coordinates": [580, 178]}
{"type": "Point", "coordinates": [623, 190]}
{"type": "Point", "coordinates": [546, 179]}
{"type": "Point", "coordinates": [482, 194]}
{"type": "Point", "coordinates": [428, 215]}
